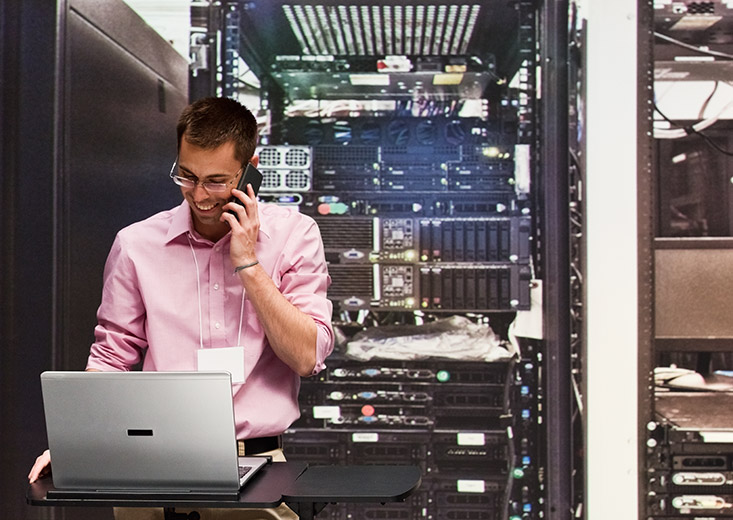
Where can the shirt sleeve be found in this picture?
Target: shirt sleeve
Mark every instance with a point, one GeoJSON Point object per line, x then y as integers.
{"type": "Point", "coordinates": [305, 284]}
{"type": "Point", "coordinates": [120, 337]}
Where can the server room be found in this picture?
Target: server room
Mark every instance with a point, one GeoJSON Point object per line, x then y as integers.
{"type": "Point", "coordinates": [526, 210]}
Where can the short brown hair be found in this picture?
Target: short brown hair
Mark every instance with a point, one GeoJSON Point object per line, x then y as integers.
{"type": "Point", "coordinates": [213, 121]}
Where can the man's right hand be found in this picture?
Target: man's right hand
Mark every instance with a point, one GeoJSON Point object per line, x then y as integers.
{"type": "Point", "coordinates": [41, 468]}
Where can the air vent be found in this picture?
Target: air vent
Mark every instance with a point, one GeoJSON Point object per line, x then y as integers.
{"type": "Point", "coordinates": [269, 156]}
{"type": "Point", "coordinates": [455, 133]}
{"type": "Point", "coordinates": [285, 168]}
{"type": "Point", "coordinates": [351, 281]}
{"type": "Point", "coordinates": [354, 155]}
{"type": "Point", "coordinates": [341, 234]}
{"type": "Point", "coordinates": [297, 180]}
{"type": "Point", "coordinates": [398, 132]}
{"type": "Point", "coordinates": [701, 8]}
{"type": "Point", "coordinates": [297, 157]}
{"type": "Point", "coordinates": [270, 180]}
{"type": "Point", "coordinates": [314, 133]}
{"type": "Point", "coordinates": [378, 30]}
{"type": "Point", "coordinates": [426, 132]}
{"type": "Point", "coordinates": [284, 156]}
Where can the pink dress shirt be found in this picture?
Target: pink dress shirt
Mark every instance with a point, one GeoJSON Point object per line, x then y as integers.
{"type": "Point", "coordinates": [150, 306]}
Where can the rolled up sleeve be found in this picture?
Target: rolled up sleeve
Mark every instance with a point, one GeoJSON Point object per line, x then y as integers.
{"type": "Point", "coordinates": [305, 284]}
{"type": "Point", "coordinates": [120, 338]}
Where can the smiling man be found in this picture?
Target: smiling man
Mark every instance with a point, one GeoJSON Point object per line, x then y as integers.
{"type": "Point", "coordinates": [216, 285]}
{"type": "Point", "coordinates": [207, 202]}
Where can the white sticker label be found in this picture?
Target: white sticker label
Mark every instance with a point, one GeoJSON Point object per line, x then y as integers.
{"type": "Point", "coordinates": [326, 412]}
{"type": "Point", "coordinates": [715, 436]}
{"type": "Point", "coordinates": [471, 439]}
{"type": "Point", "coordinates": [471, 486]}
{"type": "Point", "coordinates": [365, 437]}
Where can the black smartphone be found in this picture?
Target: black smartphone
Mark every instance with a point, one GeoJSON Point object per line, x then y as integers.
{"type": "Point", "coordinates": [251, 176]}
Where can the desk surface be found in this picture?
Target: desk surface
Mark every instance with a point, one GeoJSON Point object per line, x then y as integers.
{"type": "Point", "coordinates": [354, 484]}
{"type": "Point", "coordinates": [262, 491]}
{"type": "Point", "coordinates": [290, 482]}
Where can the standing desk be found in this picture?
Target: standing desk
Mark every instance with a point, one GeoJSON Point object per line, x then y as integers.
{"type": "Point", "coordinates": [305, 489]}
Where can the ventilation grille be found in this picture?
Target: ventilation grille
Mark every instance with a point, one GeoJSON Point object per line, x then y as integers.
{"type": "Point", "coordinates": [284, 156]}
{"type": "Point", "coordinates": [343, 234]}
{"type": "Point", "coordinates": [701, 8]}
{"type": "Point", "coordinates": [297, 180]}
{"type": "Point", "coordinates": [285, 168]}
{"type": "Point", "coordinates": [350, 281]}
{"type": "Point", "coordinates": [378, 30]}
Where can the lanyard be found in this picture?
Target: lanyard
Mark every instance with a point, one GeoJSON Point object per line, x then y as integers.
{"type": "Point", "coordinates": [198, 290]}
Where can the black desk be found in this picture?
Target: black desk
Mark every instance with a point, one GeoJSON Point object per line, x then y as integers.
{"type": "Point", "coordinates": [321, 485]}
{"type": "Point", "coordinates": [307, 490]}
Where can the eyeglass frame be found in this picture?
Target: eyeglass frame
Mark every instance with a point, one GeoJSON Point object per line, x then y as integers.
{"type": "Point", "coordinates": [181, 181]}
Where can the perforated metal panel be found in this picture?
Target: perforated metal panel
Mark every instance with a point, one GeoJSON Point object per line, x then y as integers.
{"type": "Point", "coordinates": [285, 168]}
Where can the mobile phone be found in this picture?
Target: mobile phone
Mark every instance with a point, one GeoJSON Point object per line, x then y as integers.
{"type": "Point", "coordinates": [251, 176]}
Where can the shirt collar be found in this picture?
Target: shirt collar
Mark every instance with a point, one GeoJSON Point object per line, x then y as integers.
{"type": "Point", "coordinates": [182, 222]}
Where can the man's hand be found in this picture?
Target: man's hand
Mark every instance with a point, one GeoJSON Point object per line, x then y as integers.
{"type": "Point", "coordinates": [291, 333]}
{"type": "Point", "coordinates": [245, 227]}
{"type": "Point", "coordinates": [41, 468]}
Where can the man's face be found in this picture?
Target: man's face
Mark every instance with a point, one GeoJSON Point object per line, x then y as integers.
{"type": "Point", "coordinates": [214, 166]}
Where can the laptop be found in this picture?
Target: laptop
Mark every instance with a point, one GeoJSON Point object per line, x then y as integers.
{"type": "Point", "coordinates": [146, 434]}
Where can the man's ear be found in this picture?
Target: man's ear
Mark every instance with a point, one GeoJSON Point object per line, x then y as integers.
{"type": "Point", "coordinates": [255, 160]}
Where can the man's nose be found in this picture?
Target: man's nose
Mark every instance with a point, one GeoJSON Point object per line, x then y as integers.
{"type": "Point", "coordinates": [199, 192]}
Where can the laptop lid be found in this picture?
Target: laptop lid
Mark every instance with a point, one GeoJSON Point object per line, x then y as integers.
{"type": "Point", "coordinates": [142, 432]}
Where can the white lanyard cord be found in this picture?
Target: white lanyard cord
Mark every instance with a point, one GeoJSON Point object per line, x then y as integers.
{"type": "Point", "coordinates": [198, 290]}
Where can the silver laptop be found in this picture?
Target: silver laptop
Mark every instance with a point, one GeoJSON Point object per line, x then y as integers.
{"type": "Point", "coordinates": [152, 434]}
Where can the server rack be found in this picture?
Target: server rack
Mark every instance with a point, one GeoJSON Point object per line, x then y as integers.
{"type": "Point", "coordinates": [689, 434]}
{"type": "Point", "coordinates": [409, 131]}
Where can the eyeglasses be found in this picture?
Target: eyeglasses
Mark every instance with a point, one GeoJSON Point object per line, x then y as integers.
{"type": "Point", "coordinates": [187, 182]}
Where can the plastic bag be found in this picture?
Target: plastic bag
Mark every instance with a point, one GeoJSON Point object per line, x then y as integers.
{"type": "Point", "coordinates": [456, 338]}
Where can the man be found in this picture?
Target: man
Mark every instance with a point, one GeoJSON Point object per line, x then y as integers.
{"type": "Point", "coordinates": [211, 274]}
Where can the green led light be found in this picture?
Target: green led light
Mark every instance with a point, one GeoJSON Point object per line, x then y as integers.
{"type": "Point", "coordinates": [443, 376]}
{"type": "Point", "coordinates": [339, 208]}
{"type": "Point", "coordinates": [518, 473]}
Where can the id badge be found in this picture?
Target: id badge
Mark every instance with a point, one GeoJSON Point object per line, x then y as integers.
{"type": "Point", "coordinates": [228, 359]}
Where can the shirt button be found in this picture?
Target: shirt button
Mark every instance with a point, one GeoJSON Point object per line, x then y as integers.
{"type": "Point", "coordinates": [216, 286]}
{"type": "Point", "coordinates": [217, 325]}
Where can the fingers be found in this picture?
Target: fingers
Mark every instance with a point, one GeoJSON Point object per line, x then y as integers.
{"type": "Point", "coordinates": [245, 225]}
{"type": "Point", "coordinates": [245, 208]}
{"type": "Point", "coordinates": [41, 467]}
{"type": "Point", "coordinates": [251, 192]}
{"type": "Point", "coordinates": [247, 197]}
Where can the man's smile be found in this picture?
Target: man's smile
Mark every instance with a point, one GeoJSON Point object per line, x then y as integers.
{"type": "Point", "coordinates": [205, 207]}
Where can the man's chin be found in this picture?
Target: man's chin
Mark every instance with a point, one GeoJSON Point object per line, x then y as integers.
{"type": "Point", "coordinates": [209, 220]}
